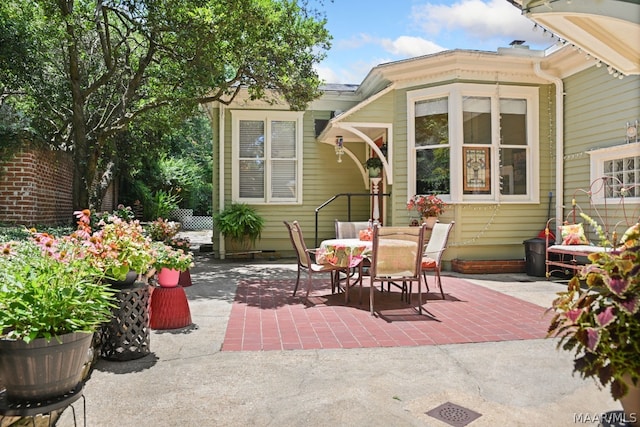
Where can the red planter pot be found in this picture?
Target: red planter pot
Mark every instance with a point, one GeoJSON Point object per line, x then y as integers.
{"type": "Point", "coordinates": [185, 279]}
{"type": "Point", "coordinates": [168, 278]}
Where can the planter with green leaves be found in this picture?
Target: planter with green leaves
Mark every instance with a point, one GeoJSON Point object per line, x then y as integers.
{"type": "Point", "coordinates": [374, 165]}
{"type": "Point", "coordinates": [601, 324]}
{"type": "Point", "coordinates": [119, 248]}
{"type": "Point", "coordinates": [169, 262]}
{"type": "Point", "coordinates": [51, 303]}
{"type": "Point", "coordinates": [241, 224]}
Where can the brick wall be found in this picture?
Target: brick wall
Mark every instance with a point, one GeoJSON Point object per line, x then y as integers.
{"type": "Point", "coordinates": [36, 188]}
{"type": "Point", "coordinates": [488, 266]}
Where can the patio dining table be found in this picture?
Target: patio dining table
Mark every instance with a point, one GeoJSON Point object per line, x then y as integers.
{"type": "Point", "coordinates": [349, 253]}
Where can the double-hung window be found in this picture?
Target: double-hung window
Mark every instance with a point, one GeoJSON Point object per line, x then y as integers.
{"type": "Point", "coordinates": [474, 142]}
{"type": "Point", "coordinates": [267, 162]}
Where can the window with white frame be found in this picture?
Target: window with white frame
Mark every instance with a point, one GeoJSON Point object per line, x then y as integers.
{"type": "Point", "coordinates": [473, 142]}
{"type": "Point", "coordinates": [622, 164]}
{"type": "Point", "coordinates": [267, 147]}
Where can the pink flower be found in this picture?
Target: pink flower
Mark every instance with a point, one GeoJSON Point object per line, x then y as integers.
{"type": "Point", "coordinates": [430, 205]}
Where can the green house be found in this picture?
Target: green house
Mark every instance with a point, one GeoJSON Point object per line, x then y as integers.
{"type": "Point", "coordinates": [503, 137]}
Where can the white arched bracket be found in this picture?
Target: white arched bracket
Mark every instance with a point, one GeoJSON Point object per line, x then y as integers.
{"type": "Point", "coordinates": [387, 167]}
{"type": "Point", "coordinates": [363, 172]}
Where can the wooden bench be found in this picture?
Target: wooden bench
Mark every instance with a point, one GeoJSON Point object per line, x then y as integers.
{"type": "Point", "coordinates": [613, 218]}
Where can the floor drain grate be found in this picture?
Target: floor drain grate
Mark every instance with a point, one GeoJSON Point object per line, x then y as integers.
{"type": "Point", "coordinates": [453, 414]}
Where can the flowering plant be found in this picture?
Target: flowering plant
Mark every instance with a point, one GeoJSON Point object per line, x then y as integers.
{"type": "Point", "coordinates": [426, 206]}
{"type": "Point", "coordinates": [183, 243]}
{"type": "Point", "coordinates": [602, 322]}
{"type": "Point", "coordinates": [48, 288]}
{"type": "Point", "coordinates": [162, 230]}
{"type": "Point", "coordinates": [118, 247]}
{"type": "Point", "coordinates": [167, 257]}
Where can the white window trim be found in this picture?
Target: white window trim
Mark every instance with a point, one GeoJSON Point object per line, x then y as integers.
{"type": "Point", "coordinates": [455, 92]}
{"type": "Point", "coordinates": [601, 155]}
{"type": "Point", "coordinates": [267, 116]}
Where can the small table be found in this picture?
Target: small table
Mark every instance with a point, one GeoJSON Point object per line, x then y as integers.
{"type": "Point", "coordinates": [169, 308]}
{"type": "Point", "coordinates": [343, 252]}
{"type": "Point", "coordinates": [347, 253]}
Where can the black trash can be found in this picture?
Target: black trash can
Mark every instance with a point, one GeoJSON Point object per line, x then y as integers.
{"type": "Point", "coordinates": [535, 255]}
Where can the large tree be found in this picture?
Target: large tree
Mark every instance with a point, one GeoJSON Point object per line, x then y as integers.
{"type": "Point", "coordinates": [85, 71]}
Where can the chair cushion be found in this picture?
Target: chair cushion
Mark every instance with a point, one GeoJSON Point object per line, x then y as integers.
{"type": "Point", "coordinates": [573, 234]}
{"type": "Point", "coordinates": [428, 262]}
{"type": "Point", "coordinates": [366, 235]}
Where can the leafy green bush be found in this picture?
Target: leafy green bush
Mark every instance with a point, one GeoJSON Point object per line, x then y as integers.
{"type": "Point", "coordinates": [164, 202]}
{"type": "Point", "coordinates": [48, 289]}
{"type": "Point", "coordinates": [238, 221]}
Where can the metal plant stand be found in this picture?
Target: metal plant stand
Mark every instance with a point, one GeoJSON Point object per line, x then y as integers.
{"type": "Point", "coordinates": [32, 409]}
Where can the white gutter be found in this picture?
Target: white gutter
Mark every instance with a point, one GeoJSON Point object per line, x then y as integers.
{"type": "Point", "coordinates": [559, 138]}
{"type": "Point", "coordinates": [221, 247]}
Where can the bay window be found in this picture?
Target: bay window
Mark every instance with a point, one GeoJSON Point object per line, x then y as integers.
{"type": "Point", "coordinates": [473, 142]}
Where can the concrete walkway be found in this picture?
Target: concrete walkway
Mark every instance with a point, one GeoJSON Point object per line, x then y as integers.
{"type": "Point", "coordinates": [188, 381]}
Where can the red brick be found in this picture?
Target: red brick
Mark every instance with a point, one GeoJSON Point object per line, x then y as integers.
{"type": "Point", "coordinates": [488, 266]}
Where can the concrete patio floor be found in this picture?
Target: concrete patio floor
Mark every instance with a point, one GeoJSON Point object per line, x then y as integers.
{"type": "Point", "coordinates": [188, 380]}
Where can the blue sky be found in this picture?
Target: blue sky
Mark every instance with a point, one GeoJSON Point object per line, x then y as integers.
{"type": "Point", "coordinates": [371, 32]}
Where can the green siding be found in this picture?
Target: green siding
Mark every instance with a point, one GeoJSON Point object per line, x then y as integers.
{"type": "Point", "coordinates": [323, 178]}
{"type": "Point", "coordinates": [482, 231]}
{"type": "Point", "coordinates": [597, 106]}
{"type": "Point", "coordinates": [596, 109]}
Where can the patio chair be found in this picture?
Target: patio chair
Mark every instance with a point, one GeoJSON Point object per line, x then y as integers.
{"type": "Point", "coordinates": [432, 256]}
{"type": "Point", "coordinates": [396, 257]}
{"type": "Point", "coordinates": [351, 230]}
{"type": "Point", "coordinates": [304, 259]}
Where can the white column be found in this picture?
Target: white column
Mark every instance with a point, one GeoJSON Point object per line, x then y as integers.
{"type": "Point", "coordinates": [375, 182]}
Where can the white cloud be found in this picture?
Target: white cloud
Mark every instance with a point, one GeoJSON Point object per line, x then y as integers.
{"type": "Point", "coordinates": [328, 74]}
{"type": "Point", "coordinates": [408, 46]}
{"type": "Point", "coordinates": [484, 20]}
{"type": "Point", "coordinates": [355, 42]}
{"type": "Point", "coordinates": [354, 73]}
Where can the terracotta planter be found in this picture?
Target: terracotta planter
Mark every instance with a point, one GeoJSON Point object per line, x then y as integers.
{"type": "Point", "coordinates": [430, 221]}
{"type": "Point", "coordinates": [168, 278]}
{"type": "Point", "coordinates": [41, 370]}
{"type": "Point", "coordinates": [631, 403]}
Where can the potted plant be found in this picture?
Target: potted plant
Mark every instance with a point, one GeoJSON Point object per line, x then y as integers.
{"type": "Point", "coordinates": [162, 230]}
{"type": "Point", "coordinates": [241, 223]}
{"type": "Point", "coordinates": [430, 207]}
{"type": "Point", "coordinates": [119, 247]}
{"type": "Point", "coordinates": [51, 303]}
{"type": "Point", "coordinates": [169, 262]}
{"type": "Point", "coordinates": [601, 321]}
{"type": "Point", "coordinates": [374, 166]}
